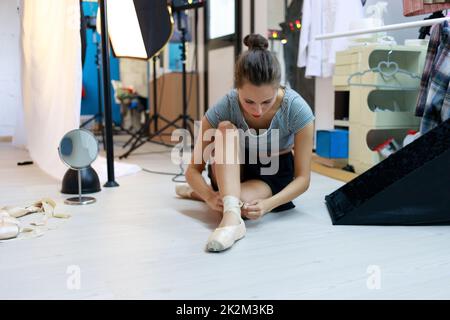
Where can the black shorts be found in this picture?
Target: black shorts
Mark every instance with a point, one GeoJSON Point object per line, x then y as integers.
{"type": "Point", "coordinates": [276, 182]}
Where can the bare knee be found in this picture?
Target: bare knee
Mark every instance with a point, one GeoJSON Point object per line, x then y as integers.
{"type": "Point", "coordinates": [226, 125]}
{"type": "Point", "coordinates": [226, 130]}
{"type": "Point", "coordinates": [247, 197]}
{"type": "Point", "coordinates": [254, 190]}
{"type": "Point", "coordinates": [226, 142]}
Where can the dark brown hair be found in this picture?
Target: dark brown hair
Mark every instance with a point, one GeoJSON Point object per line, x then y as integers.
{"type": "Point", "coordinates": [257, 65]}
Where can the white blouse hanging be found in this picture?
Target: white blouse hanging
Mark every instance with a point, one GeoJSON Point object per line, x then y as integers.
{"type": "Point", "coordinates": [324, 16]}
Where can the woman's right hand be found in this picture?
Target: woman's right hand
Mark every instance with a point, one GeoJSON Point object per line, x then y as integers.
{"type": "Point", "coordinates": [214, 201]}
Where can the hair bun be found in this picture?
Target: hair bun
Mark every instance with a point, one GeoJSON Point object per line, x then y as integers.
{"type": "Point", "coordinates": [256, 42]}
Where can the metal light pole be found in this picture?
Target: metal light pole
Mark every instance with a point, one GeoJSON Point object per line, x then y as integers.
{"type": "Point", "coordinates": [107, 97]}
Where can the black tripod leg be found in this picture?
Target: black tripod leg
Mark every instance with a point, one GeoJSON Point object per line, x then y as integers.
{"type": "Point", "coordinates": [138, 135]}
{"type": "Point", "coordinates": [141, 133]}
{"type": "Point", "coordinates": [87, 121]}
{"type": "Point", "coordinates": [172, 122]}
{"type": "Point", "coordinates": [138, 144]}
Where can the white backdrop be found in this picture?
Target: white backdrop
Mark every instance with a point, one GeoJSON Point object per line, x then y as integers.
{"type": "Point", "coordinates": [51, 78]}
{"type": "Point", "coordinates": [9, 66]}
{"type": "Point", "coordinates": [51, 75]}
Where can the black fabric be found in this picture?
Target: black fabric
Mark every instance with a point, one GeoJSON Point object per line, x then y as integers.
{"type": "Point", "coordinates": [410, 187]}
{"type": "Point", "coordinates": [155, 24]}
{"type": "Point", "coordinates": [276, 182]}
{"type": "Point", "coordinates": [425, 31]}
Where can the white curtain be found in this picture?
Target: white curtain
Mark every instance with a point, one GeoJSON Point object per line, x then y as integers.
{"type": "Point", "coordinates": [51, 79]}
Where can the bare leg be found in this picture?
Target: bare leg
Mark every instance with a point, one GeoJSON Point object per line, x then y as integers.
{"type": "Point", "coordinates": [225, 174]}
{"type": "Point", "coordinates": [254, 190]}
{"type": "Point", "coordinates": [196, 196]}
{"type": "Point", "coordinates": [250, 189]}
{"type": "Point", "coordinates": [227, 166]}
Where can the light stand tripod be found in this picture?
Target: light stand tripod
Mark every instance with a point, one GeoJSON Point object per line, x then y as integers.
{"type": "Point", "coordinates": [142, 135]}
{"type": "Point", "coordinates": [184, 117]}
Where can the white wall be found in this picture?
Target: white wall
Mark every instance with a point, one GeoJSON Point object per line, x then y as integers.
{"type": "Point", "coordinates": [395, 15]}
{"type": "Point", "coordinates": [275, 13]}
{"type": "Point", "coordinates": [324, 104]}
{"type": "Point", "coordinates": [9, 65]}
{"type": "Point", "coordinates": [261, 16]}
{"type": "Point", "coordinates": [221, 74]}
{"type": "Point", "coordinates": [221, 61]}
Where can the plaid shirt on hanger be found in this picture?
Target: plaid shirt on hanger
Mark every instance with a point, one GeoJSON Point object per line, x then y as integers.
{"type": "Point", "coordinates": [435, 40]}
{"type": "Point", "coordinates": [434, 96]}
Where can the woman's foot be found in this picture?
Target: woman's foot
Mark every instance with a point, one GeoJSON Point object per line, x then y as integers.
{"type": "Point", "coordinates": [184, 191]}
{"type": "Point", "coordinates": [231, 229]}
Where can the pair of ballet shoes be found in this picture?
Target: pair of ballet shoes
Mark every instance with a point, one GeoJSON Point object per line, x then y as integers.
{"type": "Point", "coordinates": [43, 205]}
{"type": "Point", "coordinates": [10, 226]}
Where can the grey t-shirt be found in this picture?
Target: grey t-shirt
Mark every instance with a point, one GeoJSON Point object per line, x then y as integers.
{"type": "Point", "coordinates": [293, 115]}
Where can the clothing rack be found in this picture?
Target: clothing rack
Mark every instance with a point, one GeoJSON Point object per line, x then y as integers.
{"type": "Point", "coordinates": [397, 26]}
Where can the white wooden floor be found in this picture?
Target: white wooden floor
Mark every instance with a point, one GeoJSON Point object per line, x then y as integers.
{"type": "Point", "coordinates": [140, 241]}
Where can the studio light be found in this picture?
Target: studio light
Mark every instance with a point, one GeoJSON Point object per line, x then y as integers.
{"type": "Point", "coordinates": [132, 27]}
{"type": "Point", "coordinates": [138, 28]}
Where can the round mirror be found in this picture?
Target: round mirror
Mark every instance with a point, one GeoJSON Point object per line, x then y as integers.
{"type": "Point", "coordinates": [78, 148]}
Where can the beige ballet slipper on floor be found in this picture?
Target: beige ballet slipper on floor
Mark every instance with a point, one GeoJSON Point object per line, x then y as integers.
{"type": "Point", "coordinates": [17, 212]}
{"type": "Point", "coordinates": [9, 226]}
{"type": "Point", "coordinates": [184, 191]}
{"type": "Point", "coordinates": [43, 205]}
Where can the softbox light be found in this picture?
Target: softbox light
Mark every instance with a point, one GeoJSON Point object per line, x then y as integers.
{"type": "Point", "coordinates": [139, 28]}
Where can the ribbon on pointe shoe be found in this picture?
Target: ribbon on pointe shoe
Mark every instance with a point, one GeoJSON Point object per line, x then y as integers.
{"type": "Point", "coordinates": [43, 205]}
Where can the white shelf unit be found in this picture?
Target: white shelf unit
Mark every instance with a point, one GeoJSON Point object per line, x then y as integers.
{"type": "Point", "coordinates": [376, 114]}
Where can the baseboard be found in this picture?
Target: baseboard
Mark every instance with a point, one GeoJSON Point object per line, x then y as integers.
{"type": "Point", "coordinates": [332, 163]}
{"type": "Point", "coordinates": [5, 139]}
{"type": "Point", "coordinates": [334, 173]}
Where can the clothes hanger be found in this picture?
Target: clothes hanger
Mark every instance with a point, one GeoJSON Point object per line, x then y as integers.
{"type": "Point", "coordinates": [388, 71]}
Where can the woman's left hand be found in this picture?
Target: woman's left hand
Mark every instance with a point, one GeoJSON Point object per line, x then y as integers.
{"type": "Point", "coordinates": [255, 209]}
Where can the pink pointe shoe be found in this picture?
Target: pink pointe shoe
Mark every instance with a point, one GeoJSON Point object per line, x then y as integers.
{"type": "Point", "coordinates": [184, 191]}
{"type": "Point", "coordinates": [224, 237]}
{"type": "Point", "coordinates": [9, 226]}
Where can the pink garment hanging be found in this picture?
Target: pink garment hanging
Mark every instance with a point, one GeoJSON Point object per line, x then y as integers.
{"type": "Point", "coordinates": [418, 7]}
